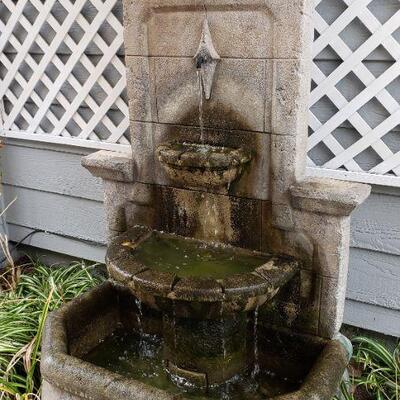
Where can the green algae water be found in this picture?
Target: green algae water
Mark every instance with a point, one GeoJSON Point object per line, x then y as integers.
{"type": "Point", "coordinates": [139, 357]}
{"type": "Point", "coordinates": [193, 258]}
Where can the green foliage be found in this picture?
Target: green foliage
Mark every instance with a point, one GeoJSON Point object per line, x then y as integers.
{"type": "Point", "coordinates": [380, 370]}
{"type": "Point", "coordinates": [345, 393]}
{"type": "Point", "coordinates": [23, 312]}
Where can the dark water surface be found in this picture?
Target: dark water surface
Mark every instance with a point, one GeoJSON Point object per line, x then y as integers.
{"type": "Point", "coordinates": [187, 257]}
{"type": "Point", "coordinates": [140, 358]}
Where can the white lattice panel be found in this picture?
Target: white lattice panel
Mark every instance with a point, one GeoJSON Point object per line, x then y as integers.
{"type": "Point", "coordinates": [359, 135]}
{"type": "Point", "coordinates": [61, 79]}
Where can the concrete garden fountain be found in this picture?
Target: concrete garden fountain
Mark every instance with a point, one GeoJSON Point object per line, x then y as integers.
{"type": "Point", "coordinates": [227, 265]}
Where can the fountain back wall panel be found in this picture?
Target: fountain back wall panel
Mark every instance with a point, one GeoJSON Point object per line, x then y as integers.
{"type": "Point", "coordinates": [258, 103]}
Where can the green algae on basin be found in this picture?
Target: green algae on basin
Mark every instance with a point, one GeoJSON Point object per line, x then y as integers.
{"type": "Point", "coordinates": [193, 258]}
{"type": "Point", "coordinates": [140, 357]}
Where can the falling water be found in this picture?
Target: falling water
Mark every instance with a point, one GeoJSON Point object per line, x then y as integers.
{"type": "Point", "coordinates": [139, 316]}
{"type": "Point", "coordinates": [174, 322]}
{"type": "Point", "coordinates": [201, 122]}
{"type": "Point", "coordinates": [256, 369]}
{"type": "Point", "coordinates": [223, 334]}
{"type": "Point", "coordinates": [225, 390]}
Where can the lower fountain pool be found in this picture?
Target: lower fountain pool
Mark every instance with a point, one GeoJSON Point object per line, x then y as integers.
{"type": "Point", "coordinates": [140, 357]}
{"type": "Point", "coordinates": [103, 346]}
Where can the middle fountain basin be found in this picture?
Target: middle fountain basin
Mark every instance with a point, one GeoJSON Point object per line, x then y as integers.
{"type": "Point", "coordinates": [162, 269]}
{"type": "Point", "coordinates": [205, 292]}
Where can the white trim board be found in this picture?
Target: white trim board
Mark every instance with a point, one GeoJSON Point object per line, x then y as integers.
{"type": "Point", "coordinates": [70, 141]}
{"type": "Point", "coordinates": [363, 177]}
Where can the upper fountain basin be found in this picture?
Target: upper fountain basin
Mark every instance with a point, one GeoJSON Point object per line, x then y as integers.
{"type": "Point", "coordinates": [202, 165]}
{"type": "Point", "coordinates": [199, 278]}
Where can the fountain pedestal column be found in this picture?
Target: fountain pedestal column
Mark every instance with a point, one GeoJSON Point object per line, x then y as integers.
{"type": "Point", "coordinates": [206, 352]}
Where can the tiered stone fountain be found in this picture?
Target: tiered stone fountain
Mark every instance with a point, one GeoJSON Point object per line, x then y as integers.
{"type": "Point", "coordinates": [227, 265]}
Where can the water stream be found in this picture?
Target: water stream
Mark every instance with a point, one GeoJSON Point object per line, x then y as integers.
{"type": "Point", "coordinates": [256, 369]}
{"type": "Point", "coordinates": [223, 350]}
{"type": "Point", "coordinates": [174, 321]}
{"type": "Point", "coordinates": [201, 97]}
{"type": "Point", "coordinates": [139, 315]}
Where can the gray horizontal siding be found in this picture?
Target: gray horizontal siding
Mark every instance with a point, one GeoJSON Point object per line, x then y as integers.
{"type": "Point", "coordinates": [51, 169]}
{"type": "Point", "coordinates": [59, 243]}
{"type": "Point", "coordinates": [54, 193]}
{"type": "Point", "coordinates": [372, 317]}
{"type": "Point", "coordinates": [376, 225]}
{"type": "Point", "coordinates": [56, 213]}
{"type": "Point", "coordinates": [374, 278]}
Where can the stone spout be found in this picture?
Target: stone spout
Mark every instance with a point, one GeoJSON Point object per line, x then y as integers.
{"type": "Point", "coordinates": [206, 60]}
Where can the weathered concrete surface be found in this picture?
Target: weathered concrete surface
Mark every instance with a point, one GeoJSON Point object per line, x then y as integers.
{"type": "Point", "coordinates": [166, 291]}
{"type": "Point", "coordinates": [239, 89]}
{"type": "Point", "coordinates": [321, 381]}
{"type": "Point", "coordinates": [202, 166]}
{"type": "Point", "coordinates": [83, 323]}
{"type": "Point", "coordinates": [66, 201]}
{"type": "Point", "coordinates": [52, 392]}
{"type": "Point", "coordinates": [262, 26]}
{"type": "Point", "coordinates": [146, 137]}
{"type": "Point", "coordinates": [217, 348]}
{"type": "Point", "coordinates": [328, 196]}
{"type": "Point", "coordinates": [261, 83]}
{"type": "Point", "coordinates": [114, 166]}
{"type": "Point", "coordinates": [67, 377]}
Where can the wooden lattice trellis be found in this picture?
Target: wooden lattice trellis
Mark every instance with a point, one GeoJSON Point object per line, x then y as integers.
{"type": "Point", "coordinates": [62, 80]}
{"type": "Point", "coordinates": [48, 79]}
{"type": "Point", "coordinates": [368, 86]}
